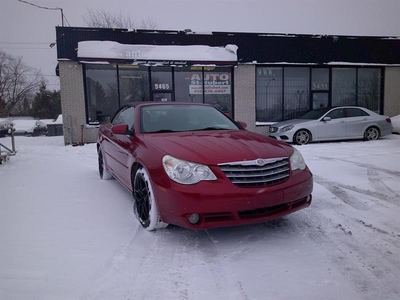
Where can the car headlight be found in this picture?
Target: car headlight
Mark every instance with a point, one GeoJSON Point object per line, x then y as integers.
{"type": "Point", "coordinates": [186, 172]}
{"type": "Point", "coordinates": [297, 161]}
{"type": "Point", "coordinates": [286, 128]}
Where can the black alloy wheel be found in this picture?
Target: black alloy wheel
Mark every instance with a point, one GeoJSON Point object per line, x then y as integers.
{"type": "Point", "coordinates": [141, 195]}
{"type": "Point", "coordinates": [101, 164]}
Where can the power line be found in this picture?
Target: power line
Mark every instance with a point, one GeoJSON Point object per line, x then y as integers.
{"type": "Point", "coordinates": [47, 75]}
{"type": "Point", "coordinates": [21, 43]}
{"type": "Point", "coordinates": [24, 48]}
{"type": "Point", "coordinates": [49, 8]}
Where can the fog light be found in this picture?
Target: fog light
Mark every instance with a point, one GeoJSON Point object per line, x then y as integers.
{"type": "Point", "coordinates": [194, 218]}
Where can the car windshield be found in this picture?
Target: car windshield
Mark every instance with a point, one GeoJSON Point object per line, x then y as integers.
{"type": "Point", "coordinates": [315, 114]}
{"type": "Point", "coordinates": [177, 118]}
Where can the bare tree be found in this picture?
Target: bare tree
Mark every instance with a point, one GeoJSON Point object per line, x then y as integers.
{"type": "Point", "coordinates": [17, 81]}
{"type": "Point", "coordinates": [106, 19]}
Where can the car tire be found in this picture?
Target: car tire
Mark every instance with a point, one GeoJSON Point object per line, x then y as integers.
{"type": "Point", "coordinates": [302, 137]}
{"type": "Point", "coordinates": [371, 134]}
{"type": "Point", "coordinates": [103, 172]}
{"type": "Point", "coordinates": [144, 205]}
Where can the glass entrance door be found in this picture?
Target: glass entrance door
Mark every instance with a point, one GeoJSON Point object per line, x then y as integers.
{"type": "Point", "coordinates": [162, 96]}
{"type": "Point", "coordinates": [320, 87]}
{"type": "Point", "coordinates": [320, 99]}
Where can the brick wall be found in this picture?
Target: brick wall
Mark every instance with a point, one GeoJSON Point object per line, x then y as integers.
{"type": "Point", "coordinates": [245, 97]}
{"type": "Point", "coordinates": [392, 91]}
{"type": "Point", "coordinates": [73, 104]}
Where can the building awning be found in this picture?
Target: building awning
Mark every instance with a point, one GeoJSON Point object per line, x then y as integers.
{"type": "Point", "coordinates": [156, 55]}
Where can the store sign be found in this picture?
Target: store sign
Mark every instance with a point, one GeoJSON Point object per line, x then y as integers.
{"type": "Point", "coordinates": [214, 83]}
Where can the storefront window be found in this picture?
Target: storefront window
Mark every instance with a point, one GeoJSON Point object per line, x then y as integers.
{"type": "Point", "coordinates": [188, 84]}
{"type": "Point", "coordinates": [108, 87]}
{"type": "Point", "coordinates": [133, 84]}
{"type": "Point", "coordinates": [369, 88]}
{"type": "Point", "coordinates": [320, 79]}
{"type": "Point", "coordinates": [218, 89]}
{"type": "Point", "coordinates": [296, 92]}
{"type": "Point", "coordinates": [101, 92]}
{"type": "Point", "coordinates": [269, 94]}
{"type": "Point", "coordinates": [217, 86]}
{"type": "Point", "coordinates": [348, 86]}
{"type": "Point", "coordinates": [344, 86]}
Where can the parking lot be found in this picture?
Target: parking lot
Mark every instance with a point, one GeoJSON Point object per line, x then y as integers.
{"type": "Point", "coordinates": [65, 234]}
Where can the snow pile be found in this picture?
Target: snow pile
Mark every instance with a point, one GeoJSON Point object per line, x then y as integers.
{"type": "Point", "coordinates": [114, 50]}
{"type": "Point", "coordinates": [26, 125]}
{"type": "Point", "coordinates": [59, 120]}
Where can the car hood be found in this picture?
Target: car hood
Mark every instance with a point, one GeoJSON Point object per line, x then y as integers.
{"type": "Point", "coordinates": [291, 122]}
{"type": "Point", "coordinates": [217, 147]}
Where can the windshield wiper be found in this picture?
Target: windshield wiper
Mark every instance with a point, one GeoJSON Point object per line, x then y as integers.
{"type": "Point", "coordinates": [162, 131]}
{"type": "Point", "coordinates": [211, 128]}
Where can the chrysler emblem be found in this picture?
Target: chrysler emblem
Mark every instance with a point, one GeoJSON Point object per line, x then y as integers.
{"type": "Point", "coordinates": [260, 162]}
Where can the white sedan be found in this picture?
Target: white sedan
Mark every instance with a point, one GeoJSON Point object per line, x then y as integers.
{"type": "Point", "coordinates": [338, 123]}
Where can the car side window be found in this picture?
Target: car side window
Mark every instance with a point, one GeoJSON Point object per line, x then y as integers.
{"type": "Point", "coordinates": [355, 112]}
{"type": "Point", "coordinates": [336, 114]}
{"type": "Point", "coordinates": [125, 116]}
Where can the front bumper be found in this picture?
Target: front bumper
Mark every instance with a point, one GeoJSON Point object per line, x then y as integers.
{"type": "Point", "coordinates": [220, 203]}
{"type": "Point", "coordinates": [285, 137]}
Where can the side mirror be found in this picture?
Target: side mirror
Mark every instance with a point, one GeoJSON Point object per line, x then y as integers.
{"type": "Point", "coordinates": [326, 119]}
{"type": "Point", "coordinates": [243, 124]}
{"type": "Point", "coordinates": [121, 129]}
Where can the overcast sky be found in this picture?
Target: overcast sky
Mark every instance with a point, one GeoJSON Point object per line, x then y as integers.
{"type": "Point", "coordinates": [28, 31]}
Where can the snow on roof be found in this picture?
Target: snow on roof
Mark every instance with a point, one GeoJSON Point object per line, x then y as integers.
{"type": "Point", "coordinates": [332, 63]}
{"type": "Point", "coordinates": [114, 50]}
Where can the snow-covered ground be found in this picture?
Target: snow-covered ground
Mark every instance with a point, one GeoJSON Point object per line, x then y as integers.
{"type": "Point", "coordinates": [28, 124]}
{"type": "Point", "coordinates": [66, 234]}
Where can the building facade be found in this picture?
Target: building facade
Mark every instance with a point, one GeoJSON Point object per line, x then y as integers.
{"type": "Point", "coordinates": [256, 78]}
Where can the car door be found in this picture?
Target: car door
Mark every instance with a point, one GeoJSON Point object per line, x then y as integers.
{"type": "Point", "coordinates": [357, 121]}
{"type": "Point", "coordinates": [119, 150]}
{"type": "Point", "coordinates": [335, 128]}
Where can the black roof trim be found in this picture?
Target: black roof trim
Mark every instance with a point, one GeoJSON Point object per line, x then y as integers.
{"type": "Point", "coordinates": [254, 47]}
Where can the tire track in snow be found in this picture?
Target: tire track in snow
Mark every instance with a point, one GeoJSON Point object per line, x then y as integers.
{"type": "Point", "coordinates": [102, 276]}
{"type": "Point", "coordinates": [366, 253]}
{"type": "Point", "coordinates": [223, 266]}
{"type": "Point", "coordinates": [165, 264]}
{"type": "Point", "coordinates": [358, 259]}
{"type": "Point", "coordinates": [376, 182]}
{"type": "Point", "coordinates": [338, 189]}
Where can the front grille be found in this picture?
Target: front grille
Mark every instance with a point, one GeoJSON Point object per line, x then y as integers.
{"type": "Point", "coordinates": [273, 129]}
{"type": "Point", "coordinates": [260, 172]}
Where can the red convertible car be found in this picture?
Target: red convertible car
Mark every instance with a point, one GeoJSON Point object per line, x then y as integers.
{"type": "Point", "coordinates": [191, 165]}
